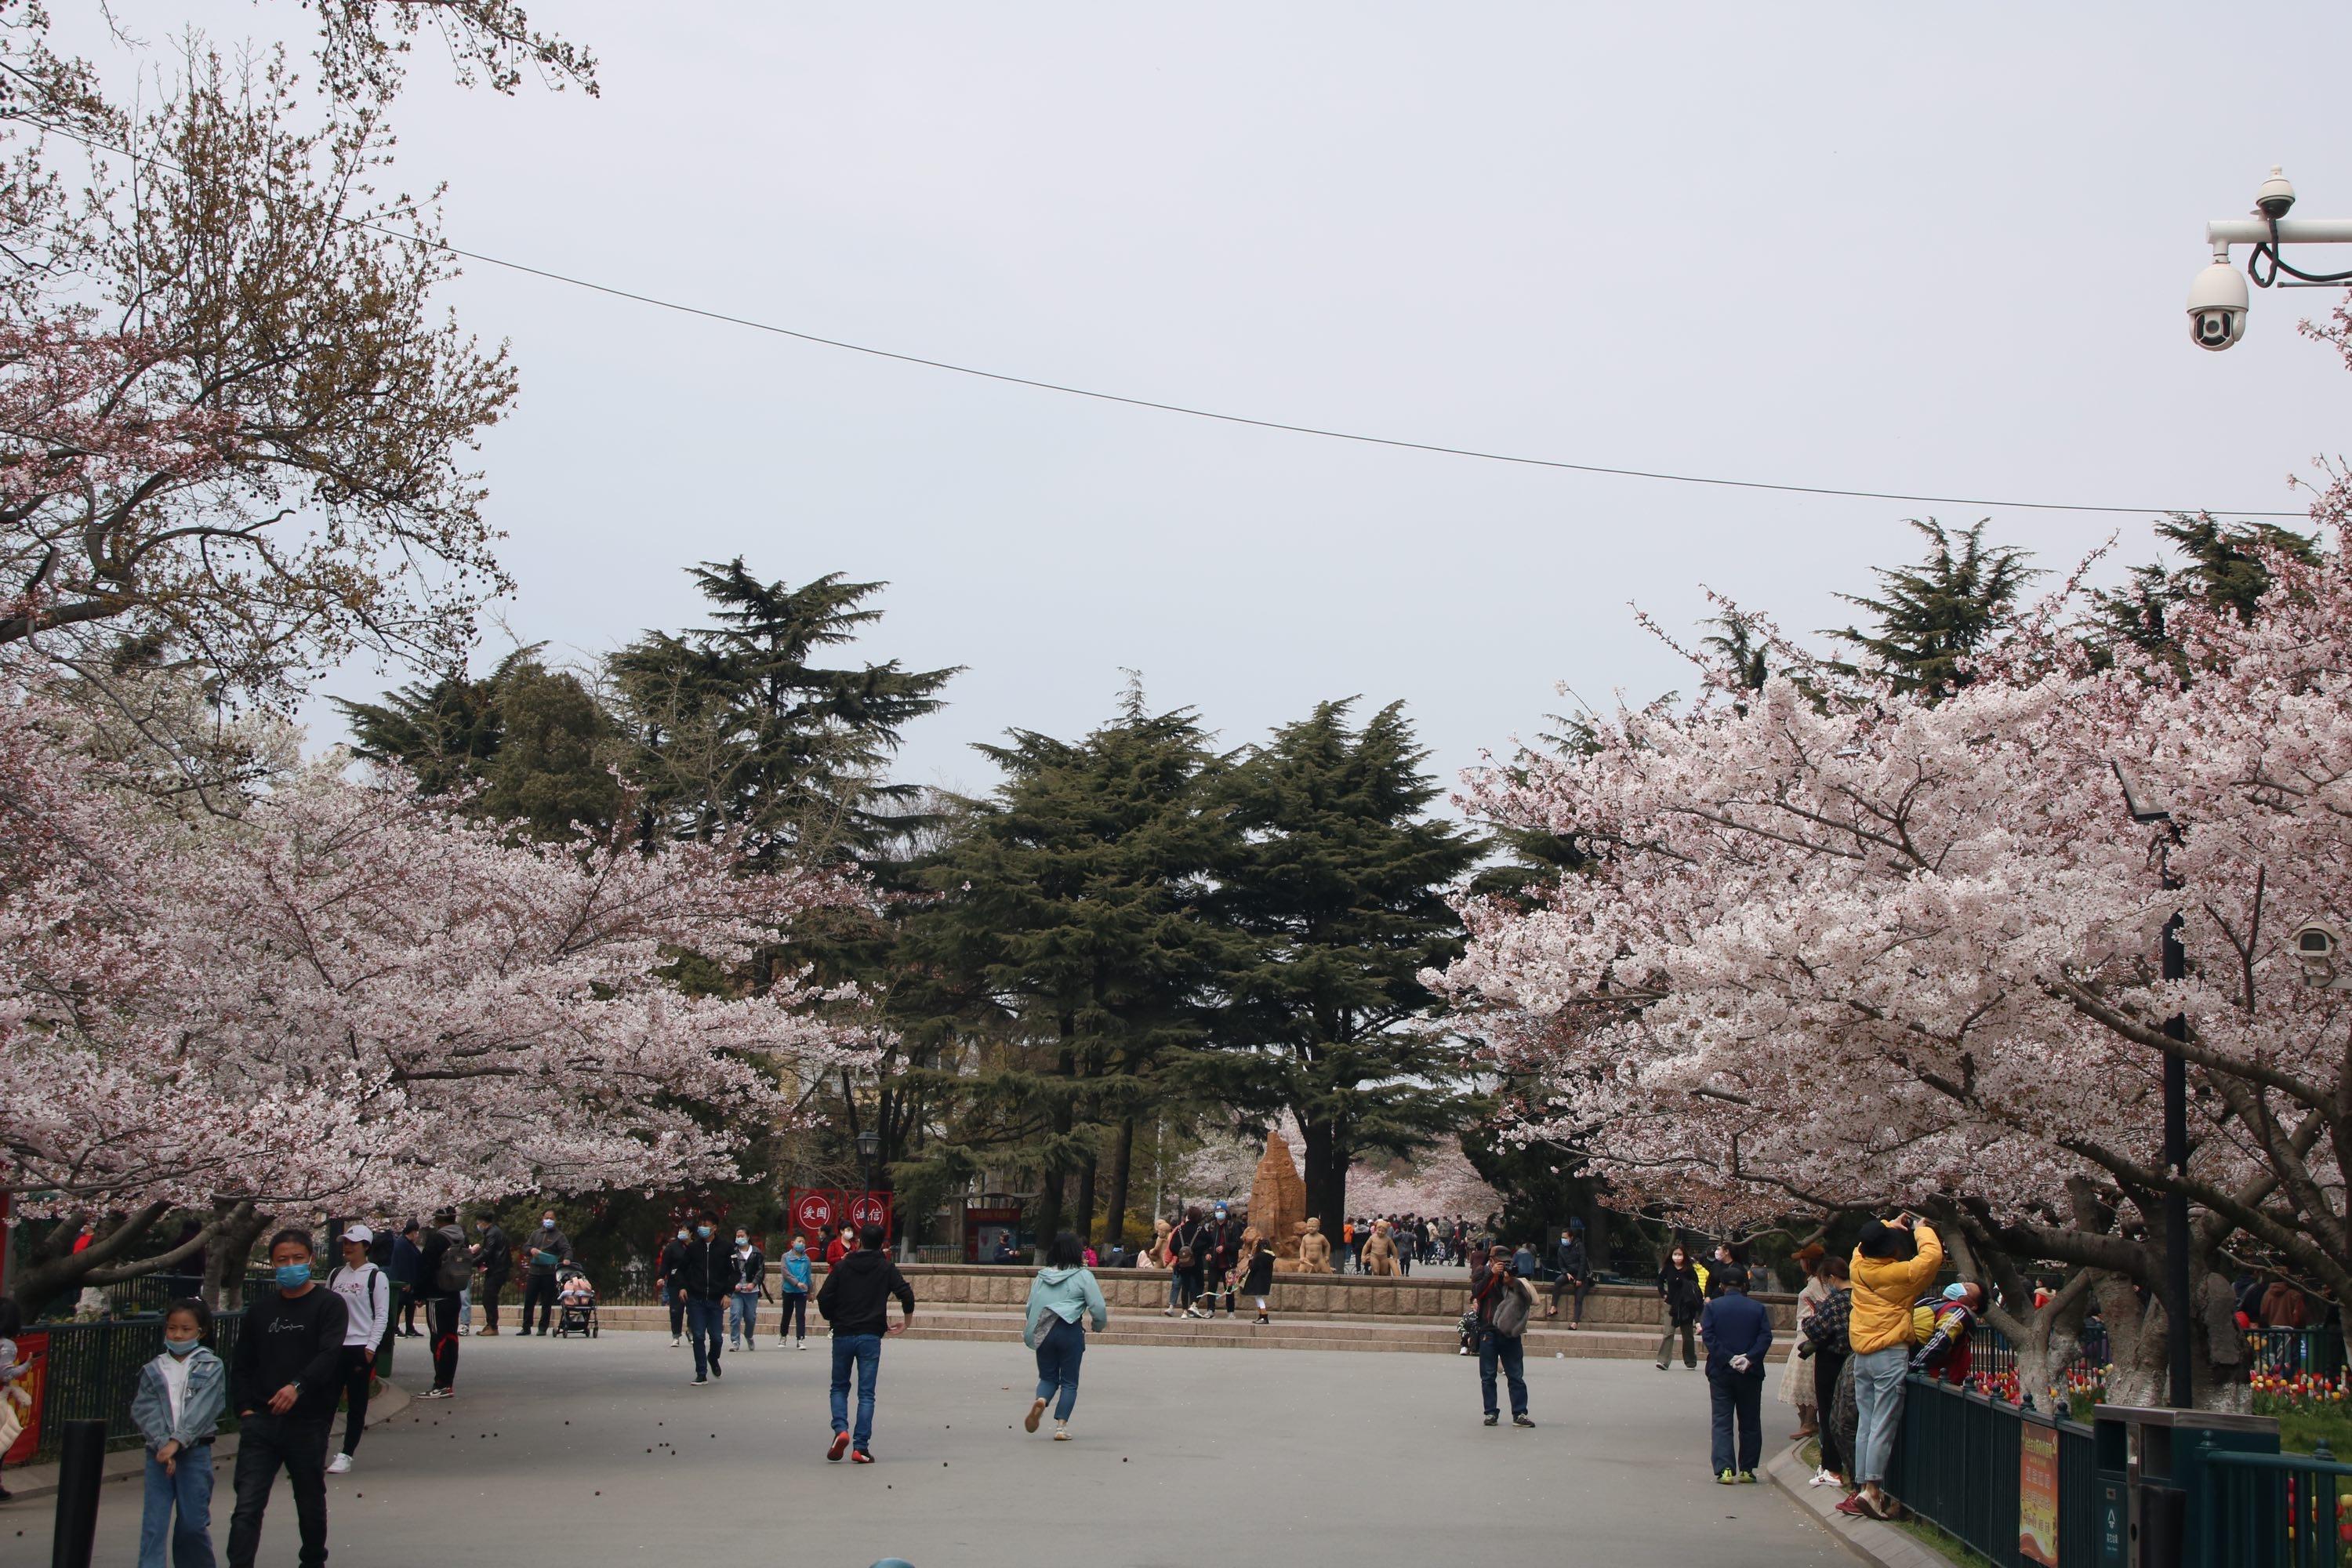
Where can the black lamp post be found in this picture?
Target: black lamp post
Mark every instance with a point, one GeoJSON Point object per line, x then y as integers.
{"type": "Point", "coordinates": [869, 1144]}
{"type": "Point", "coordinates": [2173, 962]}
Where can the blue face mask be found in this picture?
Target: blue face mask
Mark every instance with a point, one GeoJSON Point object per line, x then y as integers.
{"type": "Point", "coordinates": [703, 1231]}
{"type": "Point", "coordinates": [293, 1276]}
{"type": "Point", "coordinates": [1956, 1292]}
{"type": "Point", "coordinates": [182, 1347]}
{"type": "Point", "coordinates": [547, 1225]}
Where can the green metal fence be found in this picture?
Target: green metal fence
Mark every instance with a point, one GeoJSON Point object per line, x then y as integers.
{"type": "Point", "coordinates": [1956, 1465]}
{"type": "Point", "coordinates": [2275, 1510]}
{"type": "Point", "coordinates": [92, 1371]}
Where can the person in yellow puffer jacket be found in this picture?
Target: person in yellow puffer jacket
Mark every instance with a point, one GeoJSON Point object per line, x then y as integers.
{"type": "Point", "coordinates": [1888, 1277]}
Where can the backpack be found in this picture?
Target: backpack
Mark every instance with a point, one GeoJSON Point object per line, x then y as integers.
{"type": "Point", "coordinates": [1510, 1316]}
{"type": "Point", "coordinates": [456, 1269]}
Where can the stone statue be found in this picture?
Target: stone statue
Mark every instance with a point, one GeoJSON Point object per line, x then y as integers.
{"type": "Point", "coordinates": [1278, 1200]}
{"type": "Point", "coordinates": [1314, 1248]}
{"type": "Point", "coordinates": [1379, 1250]}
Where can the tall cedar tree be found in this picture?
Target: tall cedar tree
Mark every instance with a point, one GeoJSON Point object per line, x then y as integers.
{"type": "Point", "coordinates": [1073, 905]}
{"type": "Point", "coordinates": [535, 743]}
{"type": "Point", "coordinates": [735, 726]}
{"type": "Point", "coordinates": [1338, 880]}
{"type": "Point", "coordinates": [1932, 616]}
{"type": "Point", "coordinates": [2223, 567]}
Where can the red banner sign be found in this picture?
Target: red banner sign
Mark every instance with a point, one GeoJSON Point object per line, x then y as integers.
{"type": "Point", "coordinates": [33, 1347]}
{"type": "Point", "coordinates": [817, 1212]}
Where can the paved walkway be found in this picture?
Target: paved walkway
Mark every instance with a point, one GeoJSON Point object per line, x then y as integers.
{"type": "Point", "coordinates": [1308, 1458]}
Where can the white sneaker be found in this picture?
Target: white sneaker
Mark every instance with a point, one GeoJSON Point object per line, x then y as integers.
{"type": "Point", "coordinates": [341, 1465]}
{"type": "Point", "coordinates": [800, 1344]}
{"type": "Point", "coordinates": [1822, 1479]}
{"type": "Point", "coordinates": [675, 1342]}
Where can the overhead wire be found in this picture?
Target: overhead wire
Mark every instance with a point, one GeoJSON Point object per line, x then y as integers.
{"type": "Point", "coordinates": [1217, 416]}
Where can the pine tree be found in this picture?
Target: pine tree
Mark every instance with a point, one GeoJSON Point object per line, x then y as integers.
{"type": "Point", "coordinates": [534, 744]}
{"type": "Point", "coordinates": [1069, 924]}
{"type": "Point", "coordinates": [1339, 880]}
{"type": "Point", "coordinates": [1932, 616]}
{"type": "Point", "coordinates": [735, 726]}
{"type": "Point", "coordinates": [2222, 568]}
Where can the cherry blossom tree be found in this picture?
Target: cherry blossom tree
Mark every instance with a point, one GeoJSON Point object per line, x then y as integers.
{"type": "Point", "coordinates": [347, 996]}
{"type": "Point", "coordinates": [1840, 946]}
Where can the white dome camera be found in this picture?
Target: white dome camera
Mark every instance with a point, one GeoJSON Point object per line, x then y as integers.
{"type": "Point", "coordinates": [2276, 197]}
{"type": "Point", "coordinates": [2319, 948]}
{"type": "Point", "coordinates": [2217, 307]}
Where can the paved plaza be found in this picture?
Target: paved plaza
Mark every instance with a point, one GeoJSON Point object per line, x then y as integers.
{"type": "Point", "coordinates": [598, 1452]}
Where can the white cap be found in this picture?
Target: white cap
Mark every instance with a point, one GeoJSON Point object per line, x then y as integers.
{"type": "Point", "coordinates": [358, 1233]}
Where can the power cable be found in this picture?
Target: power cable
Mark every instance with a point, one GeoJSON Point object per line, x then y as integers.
{"type": "Point", "coordinates": [1190, 411]}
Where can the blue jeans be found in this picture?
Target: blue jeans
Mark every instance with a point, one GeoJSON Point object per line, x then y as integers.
{"type": "Point", "coordinates": [866, 1351]}
{"type": "Point", "coordinates": [742, 1307]}
{"type": "Point", "coordinates": [1058, 1355]}
{"type": "Point", "coordinates": [1737, 1399]}
{"type": "Point", "coordinates": [191, 1491]}
{"type": "Point", "coordinates": [704, 1320]}
{"type": "Point", "coordinates": [1511, 1353]}
{"type": "Point", "coordinates": [1878, 1405]}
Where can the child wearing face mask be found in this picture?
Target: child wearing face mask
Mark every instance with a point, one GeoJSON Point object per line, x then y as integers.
{"type": "Point", "coordinates": [177, 1408]}
{"type": "Point", "coordinates": [751, 1284]}
{"type": "Point", "coordinates": [797, 1276]}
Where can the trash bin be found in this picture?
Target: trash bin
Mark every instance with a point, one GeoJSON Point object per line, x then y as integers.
{"type": "Point", "coordinates": [2152, 1479]}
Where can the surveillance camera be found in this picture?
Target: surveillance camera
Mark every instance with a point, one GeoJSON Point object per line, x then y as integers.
{"type": "Point", "coordinates": [2217, 307]}
{"type": "Point", "coordinates": [2276, 197]}
{"type": "Point", "coordinates": [2319, 948]}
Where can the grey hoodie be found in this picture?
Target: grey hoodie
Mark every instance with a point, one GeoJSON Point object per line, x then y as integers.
{"type": "Point", "coordinates": [1068, 1294]}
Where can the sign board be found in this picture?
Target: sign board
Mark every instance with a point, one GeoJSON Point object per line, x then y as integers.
{"type": "Point", "coordinates": [33, 1347]}
{"type": "Point", "coordinates": [2037, 1493]}
{"type": "Point", "coordinates": [817, 1212]}
{"type": "Point", "coordinates": [870, 1208]}
{"type": "Point", "coordinates": [812, 1212]}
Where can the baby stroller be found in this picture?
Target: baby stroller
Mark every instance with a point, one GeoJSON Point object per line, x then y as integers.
{"type": "Point", "coordinates": [575, 1302]}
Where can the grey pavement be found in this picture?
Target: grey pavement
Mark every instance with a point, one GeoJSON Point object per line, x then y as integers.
{"type": "Point", "coordinates": [1303, 1457]}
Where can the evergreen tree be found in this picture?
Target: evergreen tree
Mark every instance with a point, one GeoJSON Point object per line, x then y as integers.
{"type": "Point", "coordinates": [1338, 880]}
{"type": "Point", "coordinates": [2221, 566]}
{"type": "Point", "coordinates": [1068, 934]}
{"type": "Point", "coordinates": [1933, 615]}
{"type": "Point", "coordinates": [735, 726]}
{"type": "Point", "coordinates": [534, 743]}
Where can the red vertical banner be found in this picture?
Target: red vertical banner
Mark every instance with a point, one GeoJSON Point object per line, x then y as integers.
{"type": "Point", "coordinates": [33, 1347]}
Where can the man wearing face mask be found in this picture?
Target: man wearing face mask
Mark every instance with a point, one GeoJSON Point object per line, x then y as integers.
{"type": "Point", "coordinates": [751, 1284]}
{"type": "Point", "coordinates": [549, 1247]}
{"type": "Point", "coordinates": [707, 1275]}
{"type": "Point", "coordinates": [666, 1268]}
{"type": "Point", "coordinates": [1219, 1249]}
{"type": "Point", "coordinates": [284, 1377]}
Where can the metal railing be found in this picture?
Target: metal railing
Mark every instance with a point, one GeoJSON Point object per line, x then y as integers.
{"type": "Point", "coordinates": [2275, 1510]}
{"type": "Point", "coordinates": [1955, 1466]}
{"type": "Point", "coordinates": [92, 1371]}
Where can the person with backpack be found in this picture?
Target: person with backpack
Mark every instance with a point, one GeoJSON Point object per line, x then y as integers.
{"type": "Point", "coordinates": [1502, 1300]}
{"type": "Point", "coordinates": [446, 1272]}
{"type": "Point", "coordinates": [367, 1298]}
{"type": "Point", "coordinates": [1738, 1335]}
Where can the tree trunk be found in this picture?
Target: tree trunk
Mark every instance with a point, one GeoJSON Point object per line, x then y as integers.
{"type": "Point", "coordinates": [1085, 1218]}
{"type": "Point", "coordinates": [1122, 1161]}
{"type": "Point", "coordinates": [226, 1258]}
{"type": "Point", "coordinates": [1325, 1176]}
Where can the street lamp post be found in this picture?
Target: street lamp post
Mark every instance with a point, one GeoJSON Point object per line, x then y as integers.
{"type": "Point", "coordinates": [869, 1142]}
{"type": "Point", "coordinates": [2218, 300]}
{"type": "Point", "coordinates": [2173, 964]}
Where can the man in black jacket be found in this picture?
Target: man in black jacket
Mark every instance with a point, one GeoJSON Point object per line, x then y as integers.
{"type": "Point", "coordinates": [444, 1269]}
{"type": "Point", "coordinates": [707, 1277]}
{"type": "Point", "coordinates": [666, 1268]}
{"type": "Point", "coordinates": [856, 1300]}
{"type": "Point", "coordinates": [549, 1246]}
{"type": "Point", "coordinates": [493, 1260]}
{"type": "Point", "coordinates": [1575, 1281]}
{"type": "Point", "coordinates": [284, 1379]}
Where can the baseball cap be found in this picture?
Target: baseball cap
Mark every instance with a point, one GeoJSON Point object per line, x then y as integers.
{"type": "Point", "coordinates": [358, 1233]}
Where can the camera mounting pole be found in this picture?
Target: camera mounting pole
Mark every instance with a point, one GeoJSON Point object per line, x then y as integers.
{"type": "Point", "coordinates": [2218, 300]}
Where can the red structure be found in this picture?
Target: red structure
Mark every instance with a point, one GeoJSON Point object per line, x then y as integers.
{"type": "Point", "coordinates": [816, 1213]}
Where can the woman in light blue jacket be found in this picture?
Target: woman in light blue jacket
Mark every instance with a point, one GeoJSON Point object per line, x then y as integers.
{"type": "Point", "coordinates": [1063, 1295]}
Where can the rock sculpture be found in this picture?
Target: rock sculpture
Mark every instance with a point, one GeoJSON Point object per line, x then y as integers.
{"type": "Point", "coordinates": [1278, 1199]}
{"type": "Point", "coordinates": [1314, 1248]}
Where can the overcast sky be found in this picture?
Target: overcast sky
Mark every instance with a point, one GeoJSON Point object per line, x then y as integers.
{"type": "Point", "coordinates": [1926, 250]}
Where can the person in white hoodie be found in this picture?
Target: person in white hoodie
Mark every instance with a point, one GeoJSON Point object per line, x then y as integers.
{"type": "Point", "coordinates": [1063, 1297]}
{"type": "Point", "coordinates": [367, 1302]}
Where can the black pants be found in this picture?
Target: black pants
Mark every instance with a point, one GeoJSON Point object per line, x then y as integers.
{"type": "Point", "coordinates": [267, 1444]}
{"type": "Point", "coordinates": [442, 1316]}
{"type": "Point", "coordinates": [1738, 1401]}
{"type": "Point", "coordinates": [1576, 1291]}
{"type": "Point", "coordinates": [357, 1375]}
{"type": "Point", "coordinates": [1827, 1364]}
{"type": "Point", "coordinates": [791, 1322]}
{"type": "Point", "coordinates": [406, 1309]}
{"type": "Point", "coordinates": [539, 1291]}
{"type": "Point", "coordinates": [677, 1314]}
{"type": "Point", "coordinates": [485, 1297]}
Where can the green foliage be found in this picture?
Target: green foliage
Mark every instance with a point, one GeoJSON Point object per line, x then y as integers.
{"type": "Point", "coordinates": [1933, 615]}
{"type": "Point", "coordinates": [2220, 566]}
{"type": "Point", "coordinates": [733, 724]}
{"type": "Point", "coordinates": [1337, 880]}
